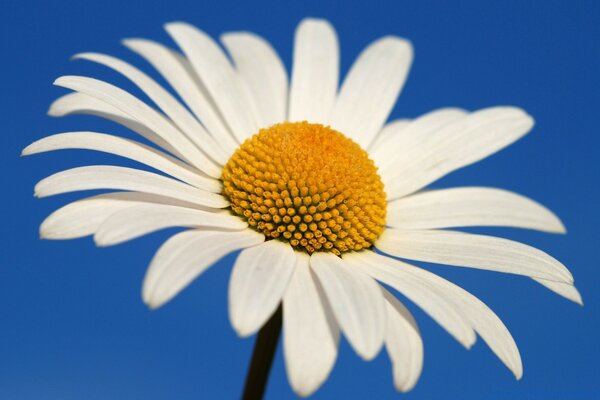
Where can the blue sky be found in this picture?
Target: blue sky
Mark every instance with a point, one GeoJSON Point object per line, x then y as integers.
{"type": "Point", "coordinates": [73, 323]}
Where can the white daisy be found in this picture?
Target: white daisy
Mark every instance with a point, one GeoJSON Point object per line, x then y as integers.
{"type": "Point", "coordinates": [307, 180]}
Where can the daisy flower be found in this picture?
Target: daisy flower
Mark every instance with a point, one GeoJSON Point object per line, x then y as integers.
{"type": "Point", "coordinates": [320, 194]}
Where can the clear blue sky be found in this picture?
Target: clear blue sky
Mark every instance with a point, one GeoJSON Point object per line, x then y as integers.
{"type": "Point", "coordinates": [73, 325]}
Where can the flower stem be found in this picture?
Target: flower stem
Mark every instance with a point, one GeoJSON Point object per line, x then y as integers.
{"type": "Point", "coordinates": [262, 357]}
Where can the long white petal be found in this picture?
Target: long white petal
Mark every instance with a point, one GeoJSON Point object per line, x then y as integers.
{"type": "Point", "coordinates": [176, 71]}
{"type": "Point", "coordinates": [171, 107]}
{"type": "Point", "coordinates": [406, 141]}
{"type": "Point", "coordinates": [140, 111]}
{"type": "Point", "coordinates": [315, 72]}
{"type": "Point", "coordinates": [371, 88]}
{"type": "Point", "coordinates": [218, 76]}
{"type": "Point", "coordinates": [470, 206]}
{"type": "Point", "coordinates": [84, 217]}
{"type": "Point", "coordinates": [565, 290]}
{"type": "Point", "coordinates": [453, 146]}
{"type": "Point", "coordinates": [472, 251]}
{"type": "Point", "coordinates": [183, 257]}
{"type": "Point", "coordinates": [264, 73]}
{"type": "Point", "coordinates": [310, 333]}
{"type": "Point", "coordinates": [356, 300]}
{"type": "Point", "coordinates": [142, 219]}
{"type": "Point", "coordinates": [476, 313]}
{"type": "Point", "coordinates": [403, 343]}
{"type": "Point", "coordinates": [387, 133]}
{"type": "Point", "coordinates": [121, 147]}
{"type": "Point", "coordinates": [257, 284]}
{"type": "Point", "coordinates": [120, 178]}
{"type": "Point", "coordinates": [81, 103]}
{"type": "Point", "coordinates": [485, 322]}
{"type": "Point", "coordinates": [429, 299]}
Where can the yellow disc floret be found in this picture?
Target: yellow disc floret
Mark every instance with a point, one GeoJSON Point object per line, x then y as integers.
{"type": "Point", "coordinates": [309, 185]}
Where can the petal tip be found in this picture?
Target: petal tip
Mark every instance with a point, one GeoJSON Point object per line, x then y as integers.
{"type": "Point", "coordinates": [26, 151]}
{"type": "Point", "coordinates": [78, 56]}
{"type": "Point", "coordinates": [242, 330]}
{"type": "Point", "coordinates": [53, 111]}
{"type": "Point", "coordinates": [518, 374]}
{"type": "Point", "coordinates": [315, 21]}
{"type": "Point", "coordinates": [102, 241]}
{"type": "Point", "coordinates": [170, 27]}
{"type": "Point", "coordinates": [152, 304]}
{"type": "Point", "coordinates": [131, 42]}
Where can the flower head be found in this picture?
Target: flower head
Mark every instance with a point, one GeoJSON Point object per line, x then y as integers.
{"type": "Point", "coordinates": [306, 180]}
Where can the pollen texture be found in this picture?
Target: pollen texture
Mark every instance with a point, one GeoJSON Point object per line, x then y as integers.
{"type": "Point", "coordinates": [309, 185]}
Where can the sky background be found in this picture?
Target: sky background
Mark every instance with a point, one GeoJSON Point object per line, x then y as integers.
{"type": "Point", "coordinates": [73, 325]}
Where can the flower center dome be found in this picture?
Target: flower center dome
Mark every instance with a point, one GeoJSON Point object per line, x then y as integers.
{"type": "Point", "coordinates": [309, 185]}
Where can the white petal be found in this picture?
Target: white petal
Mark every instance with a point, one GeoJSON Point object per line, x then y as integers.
{"type": "Point", "coordinates": [124, 148]}
{"type": "Point", "coordinates": [388, 132]}
{"type": "Point", "coordinates": [176, 70]}
{"type": "Point", "coordinates": [473, 251]}
{"type": "Point", "coordinates": [485, 322]}
{"type": "Point", "coordinates": [120, 178]}
{"type": "Point", "coordinates": [356, 301]}
{"type": "Point", "coordinates": [470, 206]}
{"type": "Point", "coordinates": [405, 141]}
{"type": "Point", "coordinates": [264, 73]}
{"type": "Point", "coordinates": [257, 284]}
{"type": "Point", "coordinates": [371, 88]}
{"type": "Point", "coordinates": [404, 344]}
{"type": "Point", "coordinates": [218, 76]}
{"type": "Point", "coordinates": [310, 333]}
{"type": "Point", "coordinates": [453, 146]}
{"type": "Point", "coordinates": [429, 299]}
{"type": "Point", "coordinates": [140, 111]}
{"type": "Point", "coordinates": [80, 103]}
{"type": "Point", "coordinates": [163, 99]}
{"type": "Point", "coordinates": [315, 72]}
{"type": "Point", "coordinates": [84, 217]}
{"type": "Point", "coordinates": [565, 290]}
{"type": "Point", "coordinates": [142, 219]}
{"type": "Point", "coordinates": [476, 313]}
{"type": "Point", "coordinates": [183, 257]}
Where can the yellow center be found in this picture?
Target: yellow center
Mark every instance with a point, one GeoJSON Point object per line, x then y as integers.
{"type": "Point", "coordinates": [309, 185]}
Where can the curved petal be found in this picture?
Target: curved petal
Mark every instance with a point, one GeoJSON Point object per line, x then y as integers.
{"type": "Point", "coordinates": [453, 146]}
{"type": "Point", "coordinates": [470, 206]}
{"type": "Point", "coordinates": [80, 103]}
{"type": "Point", "coordinates": [84, 217]}
{"type": "Point", "coordinates": [404, 344]}
{"type": "Point", "coordinates": [167, 103]}
{"type": "Point", "coordinates": [183, 257]}
{"type": "Point", "coordinates": [433, 303]}
{"type": "Point", "coordinates": [174, 68]}
{"type": "Point", "coordinates": [485, 322]}
{"type": "Point", "coordinates": [257, 284]}
{"type": "Point", "coordinates": [310, 333]}
{"type": "Point", "coordinates": [476, 313]}
{"type": "Point", "coordinates": [120, 178]}
{"type": "Point", "coordinates": [472, 251]}
{"type": "Point", "coordinates": [264, 73]}
{"type": "Point", "coordinates": [142, 219]}
{"type": "Point", "coordinates": [120, 147]}
{"type": "Point", "coordinates": [315, 72]}
{"type": "Point", "coordinates": [371, 88]}
{"type": "Point", "coordinates": [140, 111]}
{"type": "Point", "coordinates": [565, 290]}
{"type": "Point", "coordinates": [356, 301]}
{"type": "Point", "coordinates": [218, 76]}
